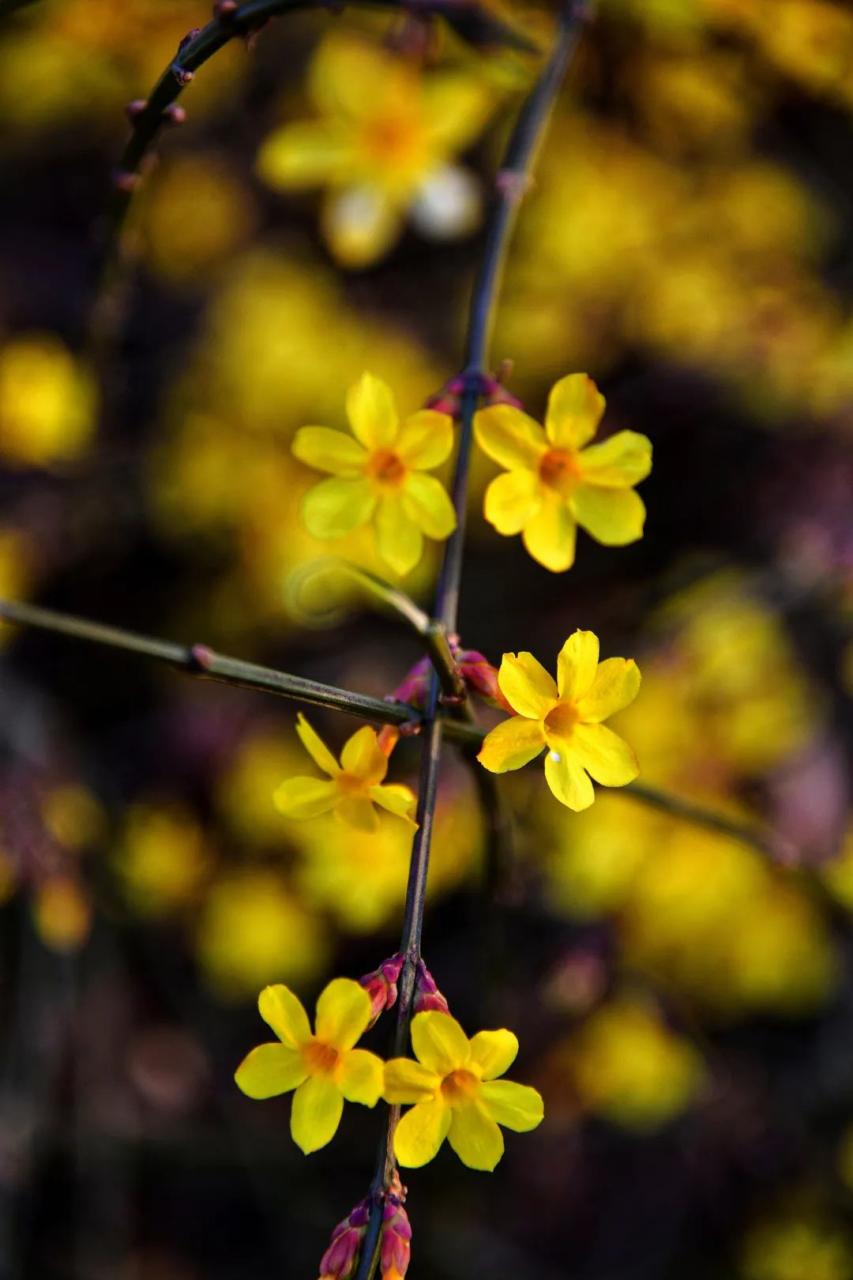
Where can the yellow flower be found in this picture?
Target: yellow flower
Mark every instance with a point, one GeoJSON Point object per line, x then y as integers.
{"type": "Point", "coordinates": [355, 784]}
{"type": "Point", "coordinates": [323, 1067]}
{"type": "Point", "coordinates": [382, 142]}
{"type": "Point", "coordinates": [379, 476]}
{"type": "Point", "coordinates": [47, 402]}
{"type": "Point", "coordinates": [566, 717]}
{"type": "Point", "coordinates": [553, 483]}
{"type": "Point", "coordinates": [456, 1093]}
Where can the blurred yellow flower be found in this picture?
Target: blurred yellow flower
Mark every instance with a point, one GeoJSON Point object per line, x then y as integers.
{"type": "Point", "coordinates": [194, 215]}
{"type": "Point", "coordinates": [630, 1067]}
{"type": "Point", "coordinates": [62, 912]}
{"type": "Point", "coordinates": [323, 1067]}
{"type": "Point", "coordinates": [384, 137]}
{"type": "Point", "coordinates": [252, 929]}
{"type": "Point", "coordinates": [379, 476]}
{"type": "Point", "coordinates": [457, 1095]}
{"type": "Point", "coordinates": [47, 402]}
{"type": "Point", "coordinates": [163, 858]}
{"type": "Point", "coordinates": [566, 717]}
{"type": "Point", "coordinates": [553, 483]}
{"type": "Point", "coordinates": [355, 785]}
{"type": "Point", "coordinates": [796, 1247]}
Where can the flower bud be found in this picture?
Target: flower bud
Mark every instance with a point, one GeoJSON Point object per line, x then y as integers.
{"type": "Point", "coordinates": [427, 994]}
{"type": "Point", "coordinates": [381, 985]}
{"type": "Point", "coordinates": [481, 677]}
{"type": "Point", "coordinates": [415, 685]}
{"type": "Point", "coordinates": [396, 1246]}
{"type": "Point", "coordinates": [339, 1260]}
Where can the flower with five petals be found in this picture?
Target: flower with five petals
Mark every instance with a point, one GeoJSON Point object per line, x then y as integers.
{"type": "Point", "coordinates": [379, 477]}
{"type": "Point", "coordinates": [566, 717]}
{"type": "Point", "coordinates": [323, 1067]}
{"type": "Point", "coordinates": [353, 787]}
{"type": "Point", "coordinates": [382, 144]}
{"type": "Point", "coordinates": [555, 480]}
{"type": "Point", "coordinates": [456, 1093]}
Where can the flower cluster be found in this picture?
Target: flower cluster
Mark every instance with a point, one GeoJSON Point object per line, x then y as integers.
{"type": "Point", "coordinates": [453, 1084]}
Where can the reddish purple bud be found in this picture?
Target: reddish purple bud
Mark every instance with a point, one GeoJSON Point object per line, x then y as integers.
{"type": "Point", "coordinates": [224, 10]}
{"type": "Point", "coordinates": [135, 109]}
{"type": "Point", "coordinates": [381, 985]}
{"type": "Point", "coordinates": [396, 1247]}
{"type": "Point", "coordinates": [427, 995]}
{"type": "Point", "coordinates": [125, 181]}
{"type": "Point", "coordinates": [339, 1260]}
{"type": "Point", "coordinates": [174, 114]}
{"type": "Point", "coordinates": [481, 677]}
{"type": "Point", "coordinates": [414, 687]}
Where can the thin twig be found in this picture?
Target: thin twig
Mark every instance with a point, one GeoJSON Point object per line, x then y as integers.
{"type": "Point", "coordinates": [512, 183]}
{"type": "Point", "coordinates": [200, 660]}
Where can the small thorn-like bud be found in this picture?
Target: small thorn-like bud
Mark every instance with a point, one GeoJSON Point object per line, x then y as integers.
{"type": "Point", "coordinates": [200, 657]}
{"type": "Point", "coordinates": [513, 186]}
{"type": "Point", "coordinates": [339, 1260]}
{"type": "Point", "coordinates": [224, 10]}
{"type": "Point", "coordinates": [135, 109]}
{"type": "Point", "coordinates": [125, 180]}
{"type": "Point", "coordinates": [174, 114]}
{"type": "Point", "coordinates": [381, 985]}
{"type": "Point", "coordinates": [396, 1247]}
{"type": "Point", "coordinates": [427, 995]}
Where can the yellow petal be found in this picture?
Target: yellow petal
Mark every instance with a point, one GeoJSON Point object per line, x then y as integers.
{"type": "Point", "coordinates": [333, 508]}
{"type": "Point", "coordinates": [398, 539]}
{"type": "Point", "coordinates": [425, 439]}
{"type": "Point", "coordinates": [408, 1081]}
{"type": "Point", "coordinates": [269, 1070]}
{"type": "Point", "coordinates": [549, 536]}
{"type": "Point", "coordinates": [439, 1042]}
{"type": "Point", "coordinates": [623, 460]}
{"type": "Point", "coordinates": [316, 1113]}
{"type": "Point", "coordinates": [604, 755]}
{"type": "Point", "coordinates": [301, 155]}
{"type": "Point", "coordinates": [511, 744]}
{"type": "Point", "coordinates": [316, 747]}
{"type": "Point", "coordinates": [360, 225]}
{"type": "Point", "coordinates": [614, 517]}
{"type": "Point", "coordinates": [475, 1137]}
{"type": "Point", "coordinates": [421, 1132]}
{"type": "Point", "coordinates": [361, 1077]}
{"type": "Point", "coordinates": [361, 756]}
{"type": "Point", "coordinates": [347, 76]}
{"type": "Point", "coordinates": [515, 1106]}
{"type": "Point", "coordinates": [567, 780]}
{"type": "Point", "coordinates": [357, 812]}
{"type": "Point", "coordinates": [396, 798]}
{"type": "Point", "coordinates": [494, 1052]}
{"type": "Point", "coordinates": [371, 411]}
{"type": "Point", "coordinates": [576, 665]}
{"type": "Point", "coordinates": [455, 110]}
{"type": "Point", "coordinates": [427, 504]}
{"type": "Point", "coordinates": [526, 685]}
{"type": "Point", "coordinates": [305, 798]}
{"type": "Point", "coordinates": [329, 450]}
{"type": "Point", "coordinates": [575, 408]}
{"type": "Point", "coordinates": [616, 684]}
{"type": "Point", "coordinates": [283, 1011]}
{"type": "Point", "coordinates": [343, 1012]}
{"type": "Point", "coordinates": [510, 437]}
{"type": "Point", "coordinates": [512, 500]}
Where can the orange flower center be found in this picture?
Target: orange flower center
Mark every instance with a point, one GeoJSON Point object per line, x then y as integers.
{"type": "Point", "coordinates": [559, 470]}
{"type": "Point", "coordinates": [560, 721]}
{"type": "Point", "coordinates": [386, 468]}
{"type": "Point", "coordinates": [350, 783]}
{"type": "Point", "coordinates": [459, 1086]}
{"type": "Point", "coordinates": [320, 1058]}
{"type": "Point", "coordinates": [393, 139]}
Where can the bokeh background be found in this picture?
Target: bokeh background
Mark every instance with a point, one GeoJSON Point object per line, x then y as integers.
{"type": "Point", "coordinates": [684, 1002]}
